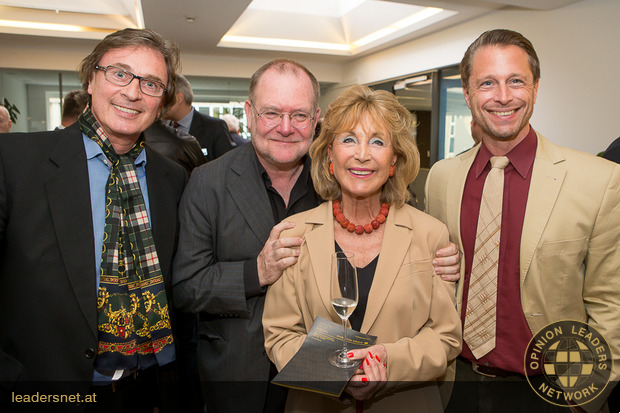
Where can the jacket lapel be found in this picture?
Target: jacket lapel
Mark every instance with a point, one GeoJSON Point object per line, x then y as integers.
{"type": "Point", "coordinates": [162, 207]}
{"type": "Point", "coordinates": [320, 252]}
{"type": "Point", "coordinates": [68, 192]}
{"type": "Point", "coordinates": [195, 127]}
{"type": "Point", "coordinates": [394, 247]}
{"type": "Point", "coordinates": [248, 192]}
{"type": "Point", "coordinates": [547, 177]}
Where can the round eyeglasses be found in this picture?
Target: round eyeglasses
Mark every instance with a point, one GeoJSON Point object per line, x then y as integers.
{"type": "Point", "coordinates": [272, 118]}
{"type": "Point", "coordinates": [122, 77]}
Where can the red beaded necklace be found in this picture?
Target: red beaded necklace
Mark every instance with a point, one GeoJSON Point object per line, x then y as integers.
{"type": "Point", "coordinates": [359, 229]}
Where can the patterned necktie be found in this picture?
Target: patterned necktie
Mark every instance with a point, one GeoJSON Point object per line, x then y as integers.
{"type": "Point", "coordinates": [480, 317]}
{"type": "Point", "coordinates": [134, 323]}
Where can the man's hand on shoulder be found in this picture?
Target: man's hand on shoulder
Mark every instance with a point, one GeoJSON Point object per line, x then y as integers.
{"type": "Point", "coordinates": [277, 255]}
{"type": "Point", "coordinates": [447, 263]}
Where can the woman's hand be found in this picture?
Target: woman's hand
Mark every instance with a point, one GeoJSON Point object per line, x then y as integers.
{"type": "Point", "coordinates": [372, 374]}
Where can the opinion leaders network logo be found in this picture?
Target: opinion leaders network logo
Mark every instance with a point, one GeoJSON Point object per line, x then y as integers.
{"type": "Point", "coordinates": [575, 360]}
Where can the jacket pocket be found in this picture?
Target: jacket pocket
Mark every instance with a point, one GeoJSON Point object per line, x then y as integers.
{"type": "Point", "coordinates": [562, 263]}
{"type": "Point", "coordinates": [415, 268]}
{"type": "Point", "coordinates": [564, 258]}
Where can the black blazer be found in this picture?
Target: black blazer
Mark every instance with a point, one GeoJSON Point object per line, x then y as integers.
{"type": "Point", "coordinates": [212, 134]}
{"type": "Point", "coordinates": [48, 320]}
{"type": "Point", "coordinates": [175, 144]}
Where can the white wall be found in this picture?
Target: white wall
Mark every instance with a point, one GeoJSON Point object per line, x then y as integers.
{"type": "Point", "coordinates": [579, 50]}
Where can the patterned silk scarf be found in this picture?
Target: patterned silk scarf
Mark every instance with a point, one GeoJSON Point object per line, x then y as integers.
{"type": "Point", "coordinates": [134, 324]}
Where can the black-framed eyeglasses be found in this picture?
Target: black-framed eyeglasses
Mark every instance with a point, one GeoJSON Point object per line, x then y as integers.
{"type": "Point", "coordinates": [272, 118]}
{"type": "Point", "coordinates": [122, 77]}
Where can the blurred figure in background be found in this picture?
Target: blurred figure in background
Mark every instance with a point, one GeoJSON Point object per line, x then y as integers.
{"type": "Point", "coordinates": [73, 105]}
{"type": "Point", "coordinates": [5, 120]}
{"type": "Point", "coordinates": [233, 127]}
{"type": "Point", "coordinates": [211, 133]}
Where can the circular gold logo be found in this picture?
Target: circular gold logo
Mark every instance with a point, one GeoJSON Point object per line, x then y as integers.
{"type": "Point", "coordinates": [575, 360]}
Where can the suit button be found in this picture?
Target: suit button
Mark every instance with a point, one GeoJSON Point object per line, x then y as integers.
{"type": "Point", "coordinates": [90, 353]}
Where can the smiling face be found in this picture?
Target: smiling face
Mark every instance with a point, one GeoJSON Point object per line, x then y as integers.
{"type": "Point", "coordinates": [501, 93]}
{"type": "Point", "coordinates": [284, 145]}
{"type": "Point", "coordinates": [124, 112]}
{"type": "Point", "coordinates": [362, 158]}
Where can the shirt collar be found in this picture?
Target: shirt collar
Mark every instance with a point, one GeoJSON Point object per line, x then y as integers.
{"type": "Point", "coordinates": [186, 121]}
{"type": "Point", "coordinates": [521, 156]}
{"type": "Point", "coordinates": [303, 176]}
{"type": "Point", "coordinates": [93, 150]}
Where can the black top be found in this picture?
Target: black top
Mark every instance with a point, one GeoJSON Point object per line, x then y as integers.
{"type": "Point", "coordinates": [302, 198]}
{"type": "Point", "coordinates": [364, 282]}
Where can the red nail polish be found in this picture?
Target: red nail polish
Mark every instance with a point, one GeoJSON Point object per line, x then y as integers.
{"type": "Point", "coordinates": [367, 363]}
{"type": "Point", "coordinates": [377, 357]}
{"type": "Point", "coordinates": [370, 354]}
{"type": "Point", "coordinates": [349, 354]}
{"type": "Point", "coordinates": [364, 379]}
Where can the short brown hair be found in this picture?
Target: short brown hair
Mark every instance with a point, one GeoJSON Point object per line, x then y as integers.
{"type": "Point", "coordinates": [135, 38]}
{"type": "Point", "coordinates": [343, 114]}
{"type": "Point", "coordinates": [286, 66]}
{"type": "Point", "coordinates": [499, 37]}
{"type": "Point", "coordinates": [74, 102]}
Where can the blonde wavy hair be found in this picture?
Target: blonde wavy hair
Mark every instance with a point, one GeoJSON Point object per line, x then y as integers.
{"type": "Point", "coordinates": [342, 115]}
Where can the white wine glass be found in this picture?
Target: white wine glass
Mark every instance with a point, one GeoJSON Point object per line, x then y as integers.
{"type": "Point", "coordinates": [343, 295]}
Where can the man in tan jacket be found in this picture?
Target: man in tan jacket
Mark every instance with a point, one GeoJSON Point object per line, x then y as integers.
{"type": "Point", "coordinates": [558, 243]}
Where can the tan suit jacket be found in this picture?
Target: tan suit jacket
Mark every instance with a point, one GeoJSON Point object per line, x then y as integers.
{"type": "Point", "coordinates": [570, 244]}
{"type": "Point", "coordinates": [410, 310]}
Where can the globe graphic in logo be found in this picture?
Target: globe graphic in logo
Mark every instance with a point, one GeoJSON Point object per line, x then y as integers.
{"type": "Point", "coordinates": [570, 360]}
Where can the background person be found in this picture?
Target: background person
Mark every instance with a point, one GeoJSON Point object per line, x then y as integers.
{"type": "Point", "coordinates": [175, 144]}
{"type": "Point", "coordinates": [233, 127]}
{"type": "Point", "coordinates": [73, 105]}
{"type": "Point", "coordinates": [362, 163]}
{"type": "Point", "coordinates": [5, 120]}
{"type": "Point", "coordinates": [211, 133]}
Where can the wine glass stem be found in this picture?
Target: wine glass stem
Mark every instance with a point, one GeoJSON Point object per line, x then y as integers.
{"type": "Point", "coordinates": [344, 338]}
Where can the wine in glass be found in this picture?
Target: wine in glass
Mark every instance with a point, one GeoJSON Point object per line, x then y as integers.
{"type": "Point", "coordinates": [343, 290]}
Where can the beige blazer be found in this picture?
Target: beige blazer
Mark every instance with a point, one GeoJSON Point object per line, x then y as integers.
{"type": "Point", "coordinates": [410, 310]}
{"type": "Point", "coordinates": [570, 244]}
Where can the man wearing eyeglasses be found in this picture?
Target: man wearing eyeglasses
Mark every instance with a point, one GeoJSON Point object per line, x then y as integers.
{"type": "Point", "coordinates": [88, 221]}
{"type": "Point", "coordinates": [229, 246]}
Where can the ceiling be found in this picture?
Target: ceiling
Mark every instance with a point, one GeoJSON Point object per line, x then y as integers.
{"type": "Point", "coordinates": [210, 20]}
{"type": "Point", "coordinates": [198, 27]}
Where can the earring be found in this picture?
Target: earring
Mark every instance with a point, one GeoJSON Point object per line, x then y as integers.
{"type": "Point", "coordinates": [391, 171]}
{"type": "Point", "coordinates": [331, 168]}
